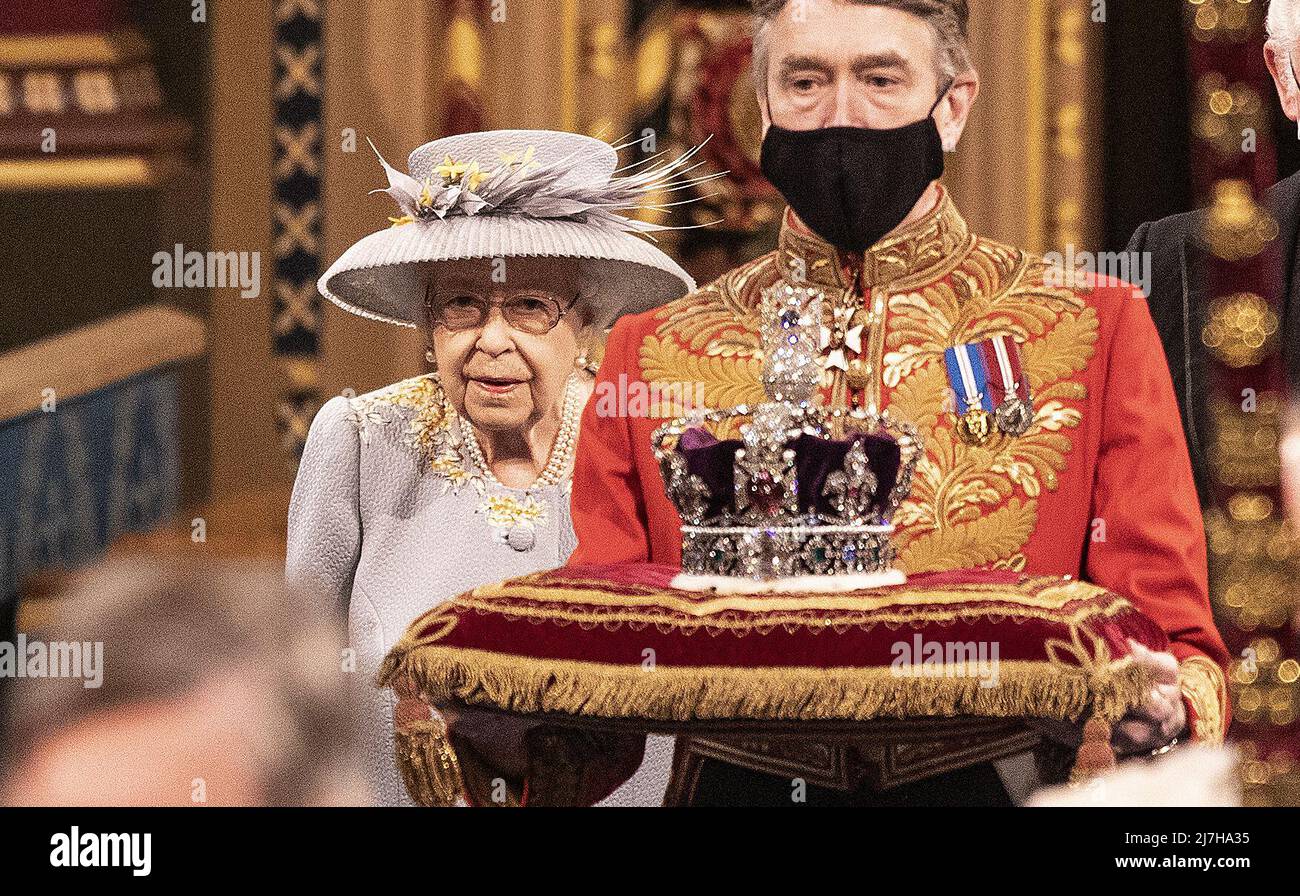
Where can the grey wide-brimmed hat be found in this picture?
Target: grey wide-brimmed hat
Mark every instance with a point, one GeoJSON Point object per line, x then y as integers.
{"type": "Point", "coordinates": [513, 194]}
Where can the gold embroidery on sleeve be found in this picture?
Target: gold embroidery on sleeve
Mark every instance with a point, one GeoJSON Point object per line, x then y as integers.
{"type": "Point", "coordinates": [1205, 688]}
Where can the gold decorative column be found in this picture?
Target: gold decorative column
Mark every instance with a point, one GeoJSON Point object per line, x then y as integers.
{"type": "Point", "coordinates": [1071, 182]}
{"type": "Point", "coordinates": [1028, 168]}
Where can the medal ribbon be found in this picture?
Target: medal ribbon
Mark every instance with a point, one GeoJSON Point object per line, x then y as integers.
{"type": "Point", "coordinates": [1002, 357]}
{"type": "Point", "coordinates": [968, 369]}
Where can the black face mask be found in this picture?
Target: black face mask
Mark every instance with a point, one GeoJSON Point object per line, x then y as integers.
{"type": "Point", "coordinates": [854, 185]}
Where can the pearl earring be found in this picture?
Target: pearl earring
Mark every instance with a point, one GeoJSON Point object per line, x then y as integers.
{"type": "Point", "coordinates": [431, 357]}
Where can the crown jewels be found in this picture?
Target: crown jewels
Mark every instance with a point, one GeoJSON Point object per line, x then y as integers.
{"type": "Point", "coordinates": [805, 491]}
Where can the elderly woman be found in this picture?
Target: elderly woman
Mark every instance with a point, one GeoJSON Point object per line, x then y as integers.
{"type": "Point", "coordinates": [510, 254]}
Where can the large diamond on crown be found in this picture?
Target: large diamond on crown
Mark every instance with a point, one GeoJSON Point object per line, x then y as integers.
{"type": "Point", "coordinates": [805, 493]}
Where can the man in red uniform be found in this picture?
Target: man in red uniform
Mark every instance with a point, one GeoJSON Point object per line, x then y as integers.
{"type": "Point", "coordinates": [1088, 475]}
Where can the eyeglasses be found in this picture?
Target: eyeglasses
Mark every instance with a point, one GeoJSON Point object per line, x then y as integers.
{"type": "Point", "coordinates": [532, 314]}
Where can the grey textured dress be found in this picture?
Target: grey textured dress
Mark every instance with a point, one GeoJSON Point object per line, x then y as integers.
{"type": "Point", "coordinates": [389, 517]}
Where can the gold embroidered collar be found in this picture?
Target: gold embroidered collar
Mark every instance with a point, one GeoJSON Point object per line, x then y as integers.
{"type": "Point", "coordinates": [922, 252]}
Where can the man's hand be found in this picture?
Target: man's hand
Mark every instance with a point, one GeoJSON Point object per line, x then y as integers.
{"type": "Point", "coordinates": [1162, 716]}
{"type": "Point", "coordinates": [410, 702]}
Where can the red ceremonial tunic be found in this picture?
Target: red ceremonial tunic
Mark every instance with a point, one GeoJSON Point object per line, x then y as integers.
{"type": "Point", "coordinates": [1100, 487]}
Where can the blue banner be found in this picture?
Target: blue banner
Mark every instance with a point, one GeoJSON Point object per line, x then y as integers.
{"type": "Point", "coordinates": [74, 477]}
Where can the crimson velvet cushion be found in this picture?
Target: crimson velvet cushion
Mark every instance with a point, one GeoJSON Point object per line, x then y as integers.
{"type": "Point", "coordinates": [619, 644]}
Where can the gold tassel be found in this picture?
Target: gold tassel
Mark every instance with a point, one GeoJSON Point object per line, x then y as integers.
{"type": "Point", "coordinates": [1096, 756]}
{"type": "Point", "coordinates": [522, 685]}
{"type": "Point", "coordinates": [428, 763]}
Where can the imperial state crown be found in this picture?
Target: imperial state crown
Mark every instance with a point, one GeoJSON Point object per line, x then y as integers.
{"type": "Point", "coordinates": [803, 500]}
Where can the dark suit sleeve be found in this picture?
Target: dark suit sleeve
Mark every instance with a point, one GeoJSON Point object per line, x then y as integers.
{"type": "Point", "coordinates": [1137, 244]}
{"type": "Point", "coordinates": [1159, 250]}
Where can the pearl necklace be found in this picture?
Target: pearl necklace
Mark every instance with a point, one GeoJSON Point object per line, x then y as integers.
{"type": "Point", "coordinates": [561, 452]}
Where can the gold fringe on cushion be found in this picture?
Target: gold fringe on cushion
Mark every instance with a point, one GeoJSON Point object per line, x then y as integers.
{"type": "Point", "coordinates": [603, 691]}
{"type": "Point", "coordinates": [390, 668]}
{"type": "Point", "coordinates": [429, 765]}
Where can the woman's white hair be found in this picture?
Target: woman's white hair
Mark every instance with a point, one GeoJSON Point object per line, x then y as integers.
{"type": "Point", "coordinates": [1283, 27]}
{"type": "Point", "coordinates": [1282, 20]}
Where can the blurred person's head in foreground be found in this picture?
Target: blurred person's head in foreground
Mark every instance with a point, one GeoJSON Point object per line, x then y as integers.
{"type": "Point", "coordinates": [1194, 775]}
{"type": "Point", "coordinates": [218, 686]}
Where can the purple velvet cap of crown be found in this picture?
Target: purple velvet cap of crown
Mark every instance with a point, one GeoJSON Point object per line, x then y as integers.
{"type": "Point", "coordinates": [815, 459]}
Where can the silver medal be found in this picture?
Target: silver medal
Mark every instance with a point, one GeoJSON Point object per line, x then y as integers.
{"type": "Point", "coordinates": [1014, 416]}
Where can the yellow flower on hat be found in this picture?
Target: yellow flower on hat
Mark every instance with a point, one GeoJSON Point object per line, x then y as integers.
{"type": "Point", "coordinates": [426, 195]}
{"type": "Point", "coordinates": [474, 176]}
{"type": "Point", "coordinates": [468, 174]}
{"type": "Point", "coordinates": [513, 158]}
{"type": "Point", "coordinates": [449, 170]}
